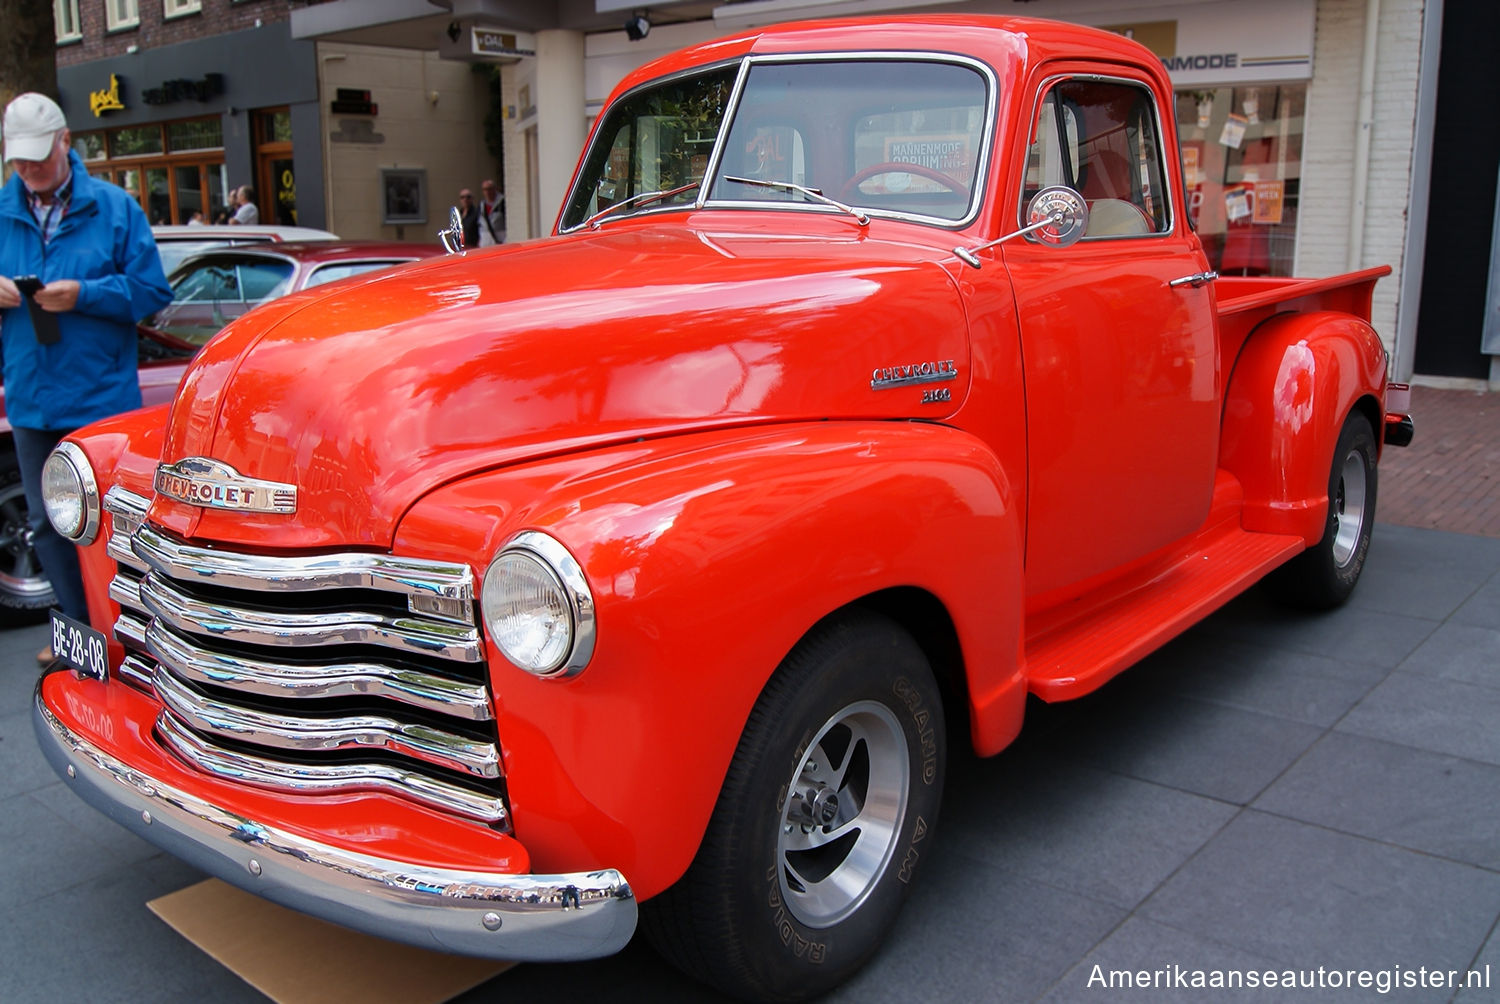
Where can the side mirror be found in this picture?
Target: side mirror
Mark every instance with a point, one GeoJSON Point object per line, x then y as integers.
{"type": "Point", "coordinates": [453, 235]}
{"type": "Point", "coordinates": [1058, 217]}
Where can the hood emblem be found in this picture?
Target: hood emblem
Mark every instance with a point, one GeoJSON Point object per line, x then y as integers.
{"type": "Point", "coordinates": [209, 483]}
{"type": "Point", "coordinates": [913, 373]}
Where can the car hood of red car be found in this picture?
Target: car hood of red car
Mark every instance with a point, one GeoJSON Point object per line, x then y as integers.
{"type": "Point", "coordinates": [365, 396]}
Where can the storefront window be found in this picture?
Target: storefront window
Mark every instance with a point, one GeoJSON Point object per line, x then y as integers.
{"type": "Point", "coordinates": [1242, 163]}
{"type": "Point", "coordinates": [89, 145]}
{"type": "Point", "coordinates": [195, 134]}
{"type": "Point", "coordinates": [175, 168]}
{"type": "Point", "coordinates": [135, 142]}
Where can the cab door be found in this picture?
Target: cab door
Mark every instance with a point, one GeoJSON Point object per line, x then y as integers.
{"type": "Point", "coordinates": [1122, 420]}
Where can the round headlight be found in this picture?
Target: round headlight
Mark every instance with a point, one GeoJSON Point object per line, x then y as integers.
{"type": "Point", "coordinates": [538, 608]}
{"type": "Point", "coordinates": [70, 494]}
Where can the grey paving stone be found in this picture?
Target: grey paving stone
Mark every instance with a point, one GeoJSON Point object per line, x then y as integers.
{"type": "Point", "coordinates": [1016, 938]}
{"type": "Point", "coordinates": [1483, 608]}
{"type": "Point", "coordinates": [1439, 715]}
{"type": "Point", "coordinates": [1483, 987]}
{"type": "Point", "coordinates": [1351, 634]}
{"type": "Point", "coordinates": [1197, 746]}
{"type": "Point", "coordinates": [1152, 962]}
{"type": "Point", "coordinates": [22, 766]}
{"type": "Point", "coordinates": [98, 941]}
{"type": "Point", "coordinates": [1424, 573]}
{"type": "Point", "coordinates": [1297, 686]}
{"type": "Point", "coordinates": [1102, 835]}
{"type": "Point", "coordinates": [1396, 794]}
{"type": "Point", "coordinates": [1462, 652]}
{"type": "Point", "coordinates": [1308, 897]}
{"type": "Point", "coordinates": [44, 853]}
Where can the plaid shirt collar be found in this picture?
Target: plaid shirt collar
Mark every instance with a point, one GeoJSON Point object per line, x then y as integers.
{"type": "Point", "coordinates": [50, 216]}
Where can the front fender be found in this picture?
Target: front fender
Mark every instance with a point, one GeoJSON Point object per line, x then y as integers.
{"type": "Point", "coordinates": [709, 556]}
{"type": "Point", "coordinates": [1294, 384]}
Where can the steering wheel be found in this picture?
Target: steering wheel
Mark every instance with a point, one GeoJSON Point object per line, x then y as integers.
{"type": "Point", "coordinates": [865, 174]}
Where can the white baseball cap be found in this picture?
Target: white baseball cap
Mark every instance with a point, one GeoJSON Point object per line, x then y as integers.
{"type": "Point", "coordinates": [32, 122]}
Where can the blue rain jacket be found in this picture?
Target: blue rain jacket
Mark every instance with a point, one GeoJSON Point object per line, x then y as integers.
{"type": "Point", "coordinates": [105, 243]}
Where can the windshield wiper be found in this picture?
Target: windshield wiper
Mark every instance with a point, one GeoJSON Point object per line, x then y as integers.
{"type": "Point", "coordinates": [635, 200]}
{"type": "Point", "coordinates": [811, 193]}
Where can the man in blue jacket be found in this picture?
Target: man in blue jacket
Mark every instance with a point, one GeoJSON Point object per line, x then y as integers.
{"type": "Point", "coordinates": [78, 268]}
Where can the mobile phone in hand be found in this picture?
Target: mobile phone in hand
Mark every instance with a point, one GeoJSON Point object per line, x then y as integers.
{"type": "Point", "coordinates": [28, 284]}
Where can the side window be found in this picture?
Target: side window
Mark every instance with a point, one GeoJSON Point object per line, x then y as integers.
{"type": "Point", "coordinates": [1101, 138]}
{"type": "Point", "coordinates": [333, 273]}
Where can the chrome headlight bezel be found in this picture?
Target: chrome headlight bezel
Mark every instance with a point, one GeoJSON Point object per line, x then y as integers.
{"type": "Point", "coordinates": [558, 572]}
{"type": "Point", "coordinates": [67, 481]}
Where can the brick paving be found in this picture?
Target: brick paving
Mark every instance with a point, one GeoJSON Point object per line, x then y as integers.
{"type": "Point", "coordinates": [1449, 477]}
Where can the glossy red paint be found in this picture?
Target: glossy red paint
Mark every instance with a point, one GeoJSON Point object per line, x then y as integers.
{"type": "Point", "coordinates": [697, 404]}
{"type": "Point", "coordinates": [599, 337]}
{"type": "Point", "coordinates": [120, 720]}
{"type": "Point", "coordinates": [816, 515]}
{"type": "Point", "coordinates": [1296, 380]}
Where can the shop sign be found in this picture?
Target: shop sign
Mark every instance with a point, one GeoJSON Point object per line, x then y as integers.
{"type": "Point", "coordinates": [498, 44]}
{"type": "Point", "coordinates": [107, 100]}
{"type": "Point", "coordinates": [211, 85]}
{"type": "Point", "coordinates": [1217, 42]}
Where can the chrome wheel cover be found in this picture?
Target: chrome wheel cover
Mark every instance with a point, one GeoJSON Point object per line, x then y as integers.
{"type": "Point", "coordinates": [1349, 504]}
{"type": "Point", "coordinates": [21, 574]}
{"type": "Point", "coordinates": [842, 814]}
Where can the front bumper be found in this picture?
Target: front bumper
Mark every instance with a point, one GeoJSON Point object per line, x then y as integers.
{"type": "Point", "coordinates": [488, 914]}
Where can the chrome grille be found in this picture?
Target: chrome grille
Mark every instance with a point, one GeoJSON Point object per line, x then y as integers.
{"type": "Point", "coordinates": [322, 673]}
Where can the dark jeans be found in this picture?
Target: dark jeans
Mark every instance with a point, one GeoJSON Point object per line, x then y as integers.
{"type": "Point", "coordinates": [59, 556]}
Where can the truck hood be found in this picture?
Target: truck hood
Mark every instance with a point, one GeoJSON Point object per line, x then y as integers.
{"type": "Point", "coordinates": [368, 394]}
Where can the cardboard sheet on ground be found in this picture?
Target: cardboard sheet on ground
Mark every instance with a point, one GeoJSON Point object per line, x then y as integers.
{"type": "Point", "coordinates": [296, 959]}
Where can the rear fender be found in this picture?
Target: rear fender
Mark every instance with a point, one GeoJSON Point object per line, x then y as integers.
{"type": "Point", "coordinates": [709, 556]}
{"type": "Point", "coordinates": [1295, 382]}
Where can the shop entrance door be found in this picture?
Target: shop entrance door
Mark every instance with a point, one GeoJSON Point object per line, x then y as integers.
{"type": "Point", "coordinates": [1465, 161]}
{"type": "Point", "coordinates": [275, 178]}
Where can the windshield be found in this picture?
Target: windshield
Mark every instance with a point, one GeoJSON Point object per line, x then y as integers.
{"type": "Point", "coordinates": [655, 140]}
{"type": "Point", "coordinates": [895, 136]}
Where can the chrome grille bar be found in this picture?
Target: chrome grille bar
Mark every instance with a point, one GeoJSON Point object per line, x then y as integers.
{"type": "Point", "coordinates": [469, 701]}
{"type": "Point", "coordinates": [321, 735]}
{"type": "Point", "coordinates": [220, 620]}
{"type": "Point", "coordinates": [248, 654]}
{"type": "Point", "coordinates": [406, 576]}
{"type": "Point", "coordinates": [327, 778]}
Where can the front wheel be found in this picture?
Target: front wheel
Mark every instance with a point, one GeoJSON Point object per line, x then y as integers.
{"type": "Point", "coordinates": [1325, 574]}
{"type": "Point", "coordinates": [825, 815]}
{"type": "Point", "coordinates": [25, 593]}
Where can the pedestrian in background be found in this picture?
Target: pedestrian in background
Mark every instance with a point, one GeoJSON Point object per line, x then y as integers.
{"type": "Point", "coordinates": [78, 269]}
{"type": "Point", "coordinates": [245, 210]}
{"type": "Point", "coordinates": [491, 215]}
{"type": "Point", "coordinates": [469, 213]}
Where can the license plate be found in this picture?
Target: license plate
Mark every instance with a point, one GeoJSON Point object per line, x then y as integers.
{"type": "Point", "coordinates": [80, 647]}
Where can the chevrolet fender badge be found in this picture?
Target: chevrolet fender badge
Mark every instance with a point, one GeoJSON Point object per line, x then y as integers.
{"type": "Point", "coordinates": [913, 373]}
{"type": "Point", "coordinates": [204, 482]}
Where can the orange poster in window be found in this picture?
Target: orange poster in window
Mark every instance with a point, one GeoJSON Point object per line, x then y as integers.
{"type": "Point", "coordinates": [1267, 205]}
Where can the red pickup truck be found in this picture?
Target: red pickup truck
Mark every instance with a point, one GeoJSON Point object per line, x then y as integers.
{"type": "Point", "coordinates": [873, 380]}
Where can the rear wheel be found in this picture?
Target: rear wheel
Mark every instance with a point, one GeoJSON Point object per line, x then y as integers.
{"type": "Point", "coordinates": [25, 593]}
{"type": "Point", "coordinates": [1325, 574]}
{"type": "Point", "coordinates": [824, 817]}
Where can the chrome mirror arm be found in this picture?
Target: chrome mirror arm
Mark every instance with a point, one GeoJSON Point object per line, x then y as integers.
{"type": "Point", "coordinates": [967, 254]}
{"type": "Point", "coordinates": [1057, 207]}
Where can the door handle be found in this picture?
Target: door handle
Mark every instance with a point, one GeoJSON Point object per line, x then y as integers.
{"type": "Point", "coordinates": [1196, 279]}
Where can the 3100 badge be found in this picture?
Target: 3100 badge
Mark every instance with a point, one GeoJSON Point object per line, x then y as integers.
{"type": "Point", "coordinates": [80, 647]}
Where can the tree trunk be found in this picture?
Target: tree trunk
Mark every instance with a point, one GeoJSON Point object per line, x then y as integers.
{"type": "Point", "coordinates": [28, 49]}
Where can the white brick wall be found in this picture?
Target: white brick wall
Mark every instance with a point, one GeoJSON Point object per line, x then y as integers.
{"type": "Point", "coordinates": [1329, 145]}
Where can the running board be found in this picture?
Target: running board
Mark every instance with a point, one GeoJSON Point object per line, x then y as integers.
{"type": "Point", "coordinates": [1071, 658]}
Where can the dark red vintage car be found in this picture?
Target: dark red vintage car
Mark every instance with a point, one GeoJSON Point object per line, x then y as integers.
{"type": "Point", "coordinates": [210, 289]}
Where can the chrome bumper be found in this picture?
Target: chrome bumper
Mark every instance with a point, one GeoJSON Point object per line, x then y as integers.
{"type": "Point", "coordinates": [487, 914]}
